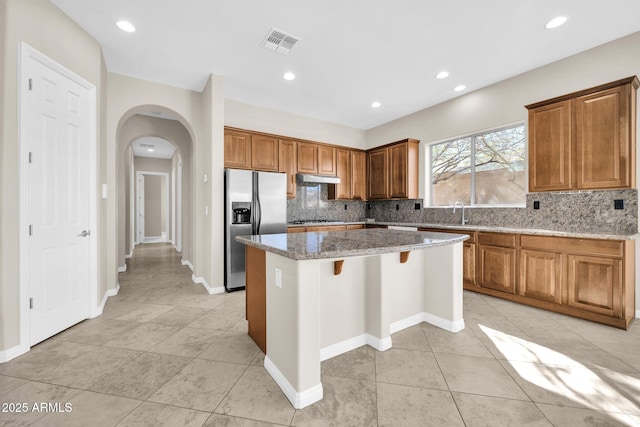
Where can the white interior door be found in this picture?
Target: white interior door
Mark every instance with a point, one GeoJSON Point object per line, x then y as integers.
{"type": "Point", "coordinates": [58, 212]}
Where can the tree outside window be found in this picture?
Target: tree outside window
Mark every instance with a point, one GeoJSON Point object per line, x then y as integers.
{"type": "Point", "coordinates": [483, 169]}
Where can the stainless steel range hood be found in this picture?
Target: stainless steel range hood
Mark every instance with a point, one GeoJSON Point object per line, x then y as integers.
{"type": "Point", "coordinates": [304, 178]}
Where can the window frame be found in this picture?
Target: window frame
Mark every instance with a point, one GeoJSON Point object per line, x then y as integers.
{"type": "Point", "coordinates": [472, 171]}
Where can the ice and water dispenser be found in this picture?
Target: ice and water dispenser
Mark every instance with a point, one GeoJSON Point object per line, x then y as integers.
{"type": "Point", "coordinates": [241, 212]}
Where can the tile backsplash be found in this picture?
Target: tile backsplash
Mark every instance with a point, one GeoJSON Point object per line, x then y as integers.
{"type": "Point", "coordinates": [584, 211]}
{"type": "Point", "coordinates": [578, 212]}
{"type": "Point", "coordinates": [312, 203]}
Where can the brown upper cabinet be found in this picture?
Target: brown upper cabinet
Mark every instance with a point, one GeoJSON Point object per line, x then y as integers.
{"type": "Point", "coordinates": [264, 153]}
{"type": "Point", "coordinates": [244, 150]}
{"type": "Point", "coordinates": [584, 140]}
{"type": "Point", "coordinates": [350, 168]}
{"type": "Point", "coordinates": [288, 163]}
{"type": "Point", "coordinates": [316, 159]}
{"type": "Point", "coordinates": [237, 149]}
{"type": "Point", "coordinates": [326, 160]}
{"type": "Point", "coordinates": [307, 157]}
{"type": "Point", "coordinates": [358, 175]}
{"type": "Point", "coordinates": [393, 170]}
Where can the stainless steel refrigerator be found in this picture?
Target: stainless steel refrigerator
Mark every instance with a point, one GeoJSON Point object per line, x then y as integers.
{"type": "Point", "coordinates": [254, 203]}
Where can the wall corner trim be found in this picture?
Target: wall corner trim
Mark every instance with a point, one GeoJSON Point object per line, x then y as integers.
{"type": "Point", "coordinates": [109, 293]}
{"type": "Point", "coordinates": [298, 399]}
{"type": "Point", "coordinates": [211, 290]}
{"type": "Point", "coordinates": [12, 353]}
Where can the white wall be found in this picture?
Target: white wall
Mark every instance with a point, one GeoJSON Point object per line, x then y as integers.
{"type": "Point", "coordinates": [245, 116]}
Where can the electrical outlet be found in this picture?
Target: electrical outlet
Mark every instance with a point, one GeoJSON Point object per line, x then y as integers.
{"type": "Point", "coordinates": [345, 207]}
{"type": "Point", "coordinates": [416, 206]}
{"type": "Point", "coordinates": [397, 206]}
{"type": "Point", "coordinates": [278, 278]}
{"type": "Point", "coordinates": [618, 204]}
{"type": "Point", "coordinates": [368, 206]}
{"type": "Point", "coordinates": [536, 204]}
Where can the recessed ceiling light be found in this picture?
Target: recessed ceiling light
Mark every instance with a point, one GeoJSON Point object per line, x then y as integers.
{"type": "Point", "coordinates": [459, 88]}
{"type": "Point", "coordinates": [126, 26]}
{"type": "Point", "coordinates": [375, 104]}
{"type": "Point", "coordinates": [556, 22]}
{"type": "Point", "coordinates": [151, 150]}
{"type": "Point", "coordinates": [289, 76]}
{"type": "Point", "coordinates": [442, 75]}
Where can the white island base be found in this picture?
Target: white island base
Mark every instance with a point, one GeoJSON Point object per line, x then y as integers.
{"type": "Point", "coordinates": [313, 314]}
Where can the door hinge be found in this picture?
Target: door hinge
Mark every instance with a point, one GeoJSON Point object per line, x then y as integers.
{"type": "Point", "coordinates": [31, 303]}
{"type": "Point", "coordinates": [30, 84]}
{"type": "Point", "coordinates": [30, 157]}
{"type": "Point", "coordinates": [30, 230]}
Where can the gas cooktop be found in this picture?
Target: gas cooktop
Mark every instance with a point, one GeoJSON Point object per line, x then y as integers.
{"type": "Point", "coordinates": [309, 221]}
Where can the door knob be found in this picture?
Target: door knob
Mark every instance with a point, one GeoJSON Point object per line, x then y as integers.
{"type": "Point", "coordinates": [84, 233]}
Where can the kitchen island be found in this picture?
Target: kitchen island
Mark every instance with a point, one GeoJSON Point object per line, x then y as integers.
{"type": "Point", "coordinates": [313, 296]}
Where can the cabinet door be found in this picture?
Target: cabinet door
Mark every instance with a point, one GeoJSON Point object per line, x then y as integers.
{"type": "Point", "coordinates": [237, 150]}
{"type": "Point", "coordinates": [377, 171]}
{"type": "Point", "coordinates": [497, 268]}
{"type": "Point", "coordinates": [541, 275]}
{"type": "Point", "coordinates": [469, 263]}
{"type": "Point", "coordinates": [287, 162]}
{"type": "Point", "coordinates": [603, 146]}
{"type": "Point", "coordinates": [595, 284]}
{"type": "Point", "coordinates": [550, 147]}
{"type": "Point", "coordinates": [398, 171]}
{"type": "Point", "coordinates": [343, 166]}
{"type": "Point", "coordinates": [326, 160]}
{"type": "Point", "coordinates": [307, 158]}
{"type": "Point", "coordinates": [264, 153]}
{"type": "Point", "coordinates": [358, 175]}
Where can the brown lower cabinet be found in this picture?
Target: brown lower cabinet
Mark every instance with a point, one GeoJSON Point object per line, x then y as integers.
{"type": "Point", "coordinates": [592, 279]}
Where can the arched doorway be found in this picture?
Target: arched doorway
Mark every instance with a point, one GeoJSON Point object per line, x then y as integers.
{"type": "Point", "coordinates": [138, 130]}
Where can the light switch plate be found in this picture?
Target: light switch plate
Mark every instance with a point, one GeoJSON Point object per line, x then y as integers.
{"type": "Point", "coordinates": [278, 278]}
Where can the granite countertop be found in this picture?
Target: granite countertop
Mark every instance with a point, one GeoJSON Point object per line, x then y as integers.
{"type": "Point", "coordinates": [470, 227]}
{"type": "Point", "coordinates": [340, 244]}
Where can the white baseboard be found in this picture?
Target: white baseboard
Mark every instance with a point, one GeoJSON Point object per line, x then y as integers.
{"type": "Point", "coordinates": [406, 323]}
{"type": "Point", "coordinates": [299, 400]}
{"type": "Point", "coordinates": [210, 289]}
{"type": "Point", "coordinates": [380, 344]}
{"type": "Point", "coordinates": [187, 263]}
{"type": "Point", "coordinates": [129, 255]}
{"type": "Point", "coordinates": [122, 269]}
{"type": "Point", "coordinates": [110, 293]}
{"type": "Point", "coordinates": [154, 239]}
{"type": "Point", "coordinates": [637, 314]}
{"type": "Point", "coordinates": [447, 325]}
{"type": "Point", "coordinates": [12, 353]}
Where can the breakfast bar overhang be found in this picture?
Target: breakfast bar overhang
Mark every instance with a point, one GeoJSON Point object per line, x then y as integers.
{"type": "Point", "coordinates": [326, 293]}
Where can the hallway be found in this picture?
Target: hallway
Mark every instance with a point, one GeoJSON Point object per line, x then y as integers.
{"type": "Point", "coordinates": [166, 353]}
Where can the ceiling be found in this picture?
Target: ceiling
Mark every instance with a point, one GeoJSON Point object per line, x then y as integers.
{"type": "Point", "coordinates": [351, 53]}
{"type": "Point", "coordinates": [162, 149]}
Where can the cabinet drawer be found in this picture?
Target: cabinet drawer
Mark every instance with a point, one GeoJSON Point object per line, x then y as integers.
{"type": "Point", "coordinates": [296, 229]}
{"type": "Point", "coordinates": [504, 240]}
{"type": "Point", "coordinates": [613, 248]}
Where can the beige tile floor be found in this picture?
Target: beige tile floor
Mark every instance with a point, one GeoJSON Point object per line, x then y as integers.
{"type": "Point", "coordinates": [164, 353]}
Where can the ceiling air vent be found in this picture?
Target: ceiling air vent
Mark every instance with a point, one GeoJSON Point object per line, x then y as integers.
{"type": "Point", "coordinates": [279, 41]}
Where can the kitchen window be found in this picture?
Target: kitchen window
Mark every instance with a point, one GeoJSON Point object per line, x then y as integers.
{"type": "Point", "coordinates": [487, 168]}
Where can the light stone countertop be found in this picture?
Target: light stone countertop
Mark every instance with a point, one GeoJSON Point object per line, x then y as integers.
{"type": "Point", "coordinates": [340, 244]}
{"type": "Point", "coordinates": [470, 227]}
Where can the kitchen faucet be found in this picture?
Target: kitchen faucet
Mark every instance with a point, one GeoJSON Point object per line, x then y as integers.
{"type": "Point", "coordinates": [456, 204]}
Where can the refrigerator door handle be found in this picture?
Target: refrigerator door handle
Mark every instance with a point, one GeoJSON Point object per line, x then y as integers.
{"type": "Point", "coordinates": [258, 207]}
